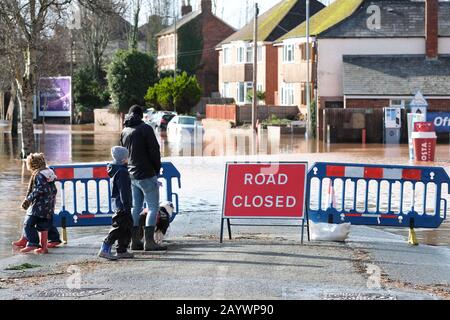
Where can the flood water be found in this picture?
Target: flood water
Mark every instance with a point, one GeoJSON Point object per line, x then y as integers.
{"type": "Point", "coordinates": [202, 176]}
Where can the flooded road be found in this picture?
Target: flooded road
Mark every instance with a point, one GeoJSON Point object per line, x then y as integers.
{"type": "Point", "coordinates": [202, 177]}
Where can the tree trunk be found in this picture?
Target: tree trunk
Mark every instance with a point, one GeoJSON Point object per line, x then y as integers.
{"type": "Point", "coordinates": [28, 143]}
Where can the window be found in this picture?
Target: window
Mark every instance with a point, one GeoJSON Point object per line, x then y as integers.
{"type": "Point", "coordinates": [400, 103]}
{"type": "Point", "coordinates": [260, 53]}
{"type": "Point", "coordinates": [249, 54]}
{"type": "Point", "coordinates": [226, 56]}
{"type": "Point", "coordinates": [303, 98]}
{"type": "Point", "coordinates": [288, 53]}
{"type": "Point", "coordinates": [241, 54]}
{"type": "Point", "coordinates": [287, 94]}
{"type": "Point", "coordinates": [244, 88]}
{"type": "Point", "coordinates": [226, 92]}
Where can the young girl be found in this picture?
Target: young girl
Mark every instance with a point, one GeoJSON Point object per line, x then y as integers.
{"type": "Point", "coordinates": [39, 204]}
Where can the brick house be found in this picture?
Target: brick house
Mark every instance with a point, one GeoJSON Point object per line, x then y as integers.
{"type": "Point", "coordinates": [197, 34]}
{"type": "Point", "coordinates": [292, 56]}
{"type": "Point", "coordinates": [379, 53]}
{"type": "Point", "coordinates": [236, 52]}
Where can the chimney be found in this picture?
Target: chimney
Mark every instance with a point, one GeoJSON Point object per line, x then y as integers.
{"type": "Point", "coordinates": [186, 8]}
{"type": "Point", "coordinates": [432, 28]}
{"type": "Point", "coordinates": [206, 6]}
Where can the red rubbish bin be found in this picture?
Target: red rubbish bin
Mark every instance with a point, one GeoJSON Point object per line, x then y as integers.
{"type": "Point", "coordinates": [424, 140]}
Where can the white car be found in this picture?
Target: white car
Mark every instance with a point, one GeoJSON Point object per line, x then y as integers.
{"type": "Point", "coordinates": [184, 127]}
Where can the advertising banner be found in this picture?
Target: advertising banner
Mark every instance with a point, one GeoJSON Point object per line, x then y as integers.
{"type": "Point", "coordinates": [441, 121]}
{"type": "Point", "coordinates": [55, 97]}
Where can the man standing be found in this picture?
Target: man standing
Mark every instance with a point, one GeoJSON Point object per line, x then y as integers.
{"type": "Point", "coordinates": [144, 167]}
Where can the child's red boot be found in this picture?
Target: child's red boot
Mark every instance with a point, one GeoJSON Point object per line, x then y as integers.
{"type": "Point", "coordinates": [28, 249]}
{"type": "Point", "coordinates": [44, 246]}
{"type": "Point", "coordinates": [52, 245]}
{"type": "Point", "coordinates": [21, 243]}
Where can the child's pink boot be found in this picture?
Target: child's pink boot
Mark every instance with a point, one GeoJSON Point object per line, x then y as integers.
{"type": "Point", "coordinates": [44, 246]}
{"type": "Point", "coordinates": [21, 243]}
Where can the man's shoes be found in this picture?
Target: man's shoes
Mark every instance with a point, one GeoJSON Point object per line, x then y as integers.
{"type": "Point", "coordinates": [124, 255]}
{"type": "Point", "coordinates": [150, 244]}
{"type": "Point", "coordinates": [136, 243]}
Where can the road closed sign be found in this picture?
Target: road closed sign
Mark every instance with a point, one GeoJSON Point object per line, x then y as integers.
{"type": "Point", "coordinates": [265, 190]}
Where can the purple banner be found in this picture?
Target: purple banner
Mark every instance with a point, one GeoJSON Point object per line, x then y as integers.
{"type": "Point", "coordinates": [55, 97]}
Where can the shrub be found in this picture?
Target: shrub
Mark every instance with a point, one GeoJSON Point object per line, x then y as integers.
{"type": "Point", "coordinates": [88, 92]}
{"type": "Point", "coordinates": [182, 94]}
{"type": "Point", "coordinates": [130, 74]}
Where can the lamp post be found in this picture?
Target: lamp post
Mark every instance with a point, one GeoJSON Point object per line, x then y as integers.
{"type": "Point", "coordinates": [74, 24]}
{"type": "Point", "coordinates": [308, 81]}
{"type": "Point", "coordinates": [255, 70]}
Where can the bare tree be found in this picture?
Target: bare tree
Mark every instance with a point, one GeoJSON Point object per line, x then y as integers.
{"type": "Point", "coordinates": [26, 23]}
{"type": "Point", "coordinates": [97, 27]}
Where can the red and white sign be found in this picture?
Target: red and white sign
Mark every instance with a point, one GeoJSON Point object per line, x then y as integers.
{"type": "Point", "coordinates": [265, 190]}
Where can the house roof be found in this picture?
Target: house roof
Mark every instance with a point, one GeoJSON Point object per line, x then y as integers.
{"type": "Point", "coordinates": [328, 17]}
{"type": "Point", "coordinates": [396, 75]}
{"type": "Point", "coordinates": [275, 22]}
{"type": "Point", "coordinates": [181, 22]}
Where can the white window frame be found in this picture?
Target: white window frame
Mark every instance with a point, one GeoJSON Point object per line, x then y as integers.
{"type": "Point", "coordinates": [287, 94]}
{"type": "Point", "coordinates": [226, 92]}
{"type": "Point", "coordinates": [249, 54]}
{"type": "Point", "coordinates": [226, 56]}
{"type": "Point", "coordinates": [241, 53]}
{"type": "Point", "coordinates": [289, 53]}
{"type": "Point", "coordinates": [247, 86]}
{"type": "Point", "coordinates": [396, 105]}
{"type": "Point", "coordinates": [260, 53]}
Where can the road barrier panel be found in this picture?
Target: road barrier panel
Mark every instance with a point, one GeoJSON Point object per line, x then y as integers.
{"type": "Point", "coordinates": [85, 194]}
{"type": "Point", "coordinates": [377, 195]}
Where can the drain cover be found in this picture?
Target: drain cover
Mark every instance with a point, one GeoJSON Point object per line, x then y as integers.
{"type": "Point", "coordinates": [358, 296]}
{"type": "Point", "coordinates": [71, 293]}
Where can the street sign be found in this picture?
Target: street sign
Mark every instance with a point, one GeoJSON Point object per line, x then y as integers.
{"type": "Point", "coordinates": [441, 121]}
{"type": "Point", "coordinates": [270, 190]}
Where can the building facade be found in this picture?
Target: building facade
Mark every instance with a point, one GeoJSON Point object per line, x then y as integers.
{"type": "Point", "coordinates": [236, 55]}
{"type": "Point", "coordinates": [384, 53]}
{"type": "Point", "coordinates": [191, 45]}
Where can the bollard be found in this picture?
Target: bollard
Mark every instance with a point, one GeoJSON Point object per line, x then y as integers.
{"type": "Point", "coordinates": [64, 230]}
{"type": "Point", "coordinates": [364, 136]}
{"type": "Point", "coordinates": [412, 239]}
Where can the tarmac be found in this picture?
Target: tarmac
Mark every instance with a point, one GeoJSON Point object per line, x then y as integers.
{"type": "Point", "coordinates": [257, 264]}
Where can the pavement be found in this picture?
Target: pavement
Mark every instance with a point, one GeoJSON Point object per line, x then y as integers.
{"type": "Point", "coordinates": [256, 264]}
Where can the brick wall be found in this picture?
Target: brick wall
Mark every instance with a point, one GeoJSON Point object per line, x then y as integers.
{"type": "Point", "coordinates": [367, 103]}
{"type": "Point", "coordinates": [240, 114]}
{"type": "Point", "coordinates": [214, 31]}
{"type": "Point", "coordinates": [432, 26]}
{"type": "Point", "coordinates": [271, 73]}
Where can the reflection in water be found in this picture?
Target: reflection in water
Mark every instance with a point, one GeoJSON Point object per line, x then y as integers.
{"type": "Point", "coordinates": [63, 144]}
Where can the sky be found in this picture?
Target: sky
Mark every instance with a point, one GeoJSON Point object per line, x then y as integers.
{"type": "Point", "coordinates": [234, 11]}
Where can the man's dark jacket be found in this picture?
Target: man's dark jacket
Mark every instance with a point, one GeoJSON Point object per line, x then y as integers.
{"type": "Point", "coordinates": [140, 140]}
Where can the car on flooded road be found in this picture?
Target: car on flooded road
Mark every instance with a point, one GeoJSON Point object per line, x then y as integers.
{"type": "Point", "coordinates": [161, 119]}
{"type": "Point", "coordinates": [184, 127]}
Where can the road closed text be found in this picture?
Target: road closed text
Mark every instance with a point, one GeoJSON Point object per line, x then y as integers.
{"type": "Point", "coordinates": [251, 192]}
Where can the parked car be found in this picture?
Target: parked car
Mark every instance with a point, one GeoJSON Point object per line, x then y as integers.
{"type": "Point", "coordinates": [148, 114]}
{"type": "Point", "coordinates": [161, 119]}
{"type": "Point", "coordinates": [180, 126]}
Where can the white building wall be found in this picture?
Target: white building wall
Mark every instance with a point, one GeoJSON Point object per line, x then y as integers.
{"type": "Point", "coordinates": [331, 52]}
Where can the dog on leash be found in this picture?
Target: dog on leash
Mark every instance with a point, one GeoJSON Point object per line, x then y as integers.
{"type": "Point", "coordinates": [163, 218]}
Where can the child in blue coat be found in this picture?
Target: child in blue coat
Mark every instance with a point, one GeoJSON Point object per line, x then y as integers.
{"type": "Point", "coordinates": [122, 221]}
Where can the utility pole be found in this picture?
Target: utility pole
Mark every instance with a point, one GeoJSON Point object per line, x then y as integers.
{"type": "Point", "coordinates": [255, 69]}
{"type": "Point", "coordinates": [175, 46]}
{"type": "Point", "coordinates": [308, 82]}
